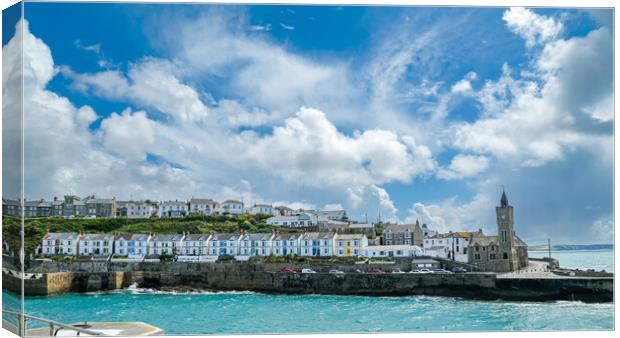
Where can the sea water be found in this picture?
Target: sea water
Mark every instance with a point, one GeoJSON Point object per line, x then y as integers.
{"type": "Point", "coordinates": [248, 312]}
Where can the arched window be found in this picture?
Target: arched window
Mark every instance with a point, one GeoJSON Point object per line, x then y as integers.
{"type": "Point", "coordinates": [505, 256]}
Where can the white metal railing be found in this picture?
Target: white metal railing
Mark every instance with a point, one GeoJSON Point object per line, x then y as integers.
{"type": "Point", "coordinates": [22, 321]}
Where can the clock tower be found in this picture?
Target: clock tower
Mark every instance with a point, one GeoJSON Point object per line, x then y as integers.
{"type": "Point", "coordinates": [506, 234]}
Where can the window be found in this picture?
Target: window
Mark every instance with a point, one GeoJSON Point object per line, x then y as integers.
{"type": "Point", "coordinates": [505, 256]}
{"type": "Point", "coordinates": [492, 256]}
{"type": "Point", "coordinates": [477, 256]}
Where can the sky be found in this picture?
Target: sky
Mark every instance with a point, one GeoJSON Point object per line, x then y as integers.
{"type": "Point", "coordinates": [401, 113]}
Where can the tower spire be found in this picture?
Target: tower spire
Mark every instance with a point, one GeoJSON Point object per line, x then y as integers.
{"type": "Point", "coordinates": [504, 200]}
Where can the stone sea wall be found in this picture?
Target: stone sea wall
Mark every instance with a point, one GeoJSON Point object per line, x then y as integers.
{"type": "Point", "coordinates": [266, 278]}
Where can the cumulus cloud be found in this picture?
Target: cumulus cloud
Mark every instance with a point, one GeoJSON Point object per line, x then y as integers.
{"type": "Point", "coordinates": [128, 134]}
{"type": "Point", "coordinates": [151, 83]}
{"type": "Point", "coordinates": [532, 27]}
{"type": "Point", "coordinates": [464, 166]}
{"type": "Point", "coordinates": [566, 105]}
{"type": "Point", "coordinates": [310, 150]}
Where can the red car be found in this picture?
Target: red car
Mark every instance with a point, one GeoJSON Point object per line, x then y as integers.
{"type": "Point", "coordinates": [290, 270]}
{"type": "Point", "coordinates": [377, 272]}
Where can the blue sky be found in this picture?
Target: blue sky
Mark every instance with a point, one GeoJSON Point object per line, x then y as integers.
{"type": "Point", "coordinates": [408, 112]}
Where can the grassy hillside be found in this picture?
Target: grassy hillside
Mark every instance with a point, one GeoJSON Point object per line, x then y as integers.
{"type": "Point", "coordinates": [36, 228]}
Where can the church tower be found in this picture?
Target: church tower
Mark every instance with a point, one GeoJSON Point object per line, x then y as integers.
{"type": "Point", "coordinates": [506, 234]}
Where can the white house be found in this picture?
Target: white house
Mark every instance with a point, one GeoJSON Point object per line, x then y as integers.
{"type": "Point", "coordinates": [60, 243]}
{"type": "Point", "coordinates": [96, 244]}
{"type": "Point", "coordinates": [121, 245]}
{"type": "Point", "coordinates": [296, 221]}
{"type": "Point", "coordinates": [285, 244]}
{"type": "Point", "coordinates": [223, 244]}
{"type": "Point", "coordinates": [172, 209]}
{"type": "Point", "coordinates": [138, 245]}
{"type": "Point", "coordinates": [452, 245]}
{"type": "Point", "coordinates": [284, 211]}
{"type": "Point", "coordinates": [166, 244]}
{"type": "Point", "coordinates": [393, 251]}
{"type": "Point", "coordinates": [232, 207]}
{"type": "Point", "coordinates": [316, 244]}
{"type": "Point", "coordinates": [350, 245]}
{"type": "Point", "coordinates": [427, 233]}
{"type": "Point", "coordinates": [264, 209]}
{"type": "Point", "coordinates": [261, 244]}
{"type": "Point", "coordinates": [139, 209]}
{"type": "Point", "coordinates": [205, 206]}
{"type": "Point", "coordinates": [195, 245]}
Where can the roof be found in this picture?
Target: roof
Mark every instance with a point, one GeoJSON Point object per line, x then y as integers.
{"type": "Point", "coordinates": [289, 218]}
{"type": "Point", "coordinates": [519, 242]}
{"type": "Point", "coordinates": [164, 237]}
{"type": "Point", "coordinates": [459, 234]}
{"type": "Point", "coordinates": [202, 201]}
{"type": "Point", "coordinates": [125, 237]}
{"type": "Point", "coordinates": [61, 235]}
{"type": "Point", "coordinates": [10, 201]}
{"type": "Point", "coordinates": [286, 237]}
{"type": "Point", "coordinates": [139, 237]}
{"type": "Point", "coordinates": [95, 237]}
{"type": "Point", "coordinates": [261, 236]}
{"type": "Point", "coordinates": [351, 236]}
{"type": "Point", "coordinates": [282, 207]}
{"type": "Point", "coordinates": [361, 226]}
{"type": "Point", "coordinates": [100, 200]}
{"type": "Point", "coordinates": [484, 240]}
{"type": "Point", "coordinates": [231, 202]}
{"type": "Point", "coordinates": [262, 206]}
{"type": "Point", "coordinates": [224, 236]}
{"type": "Point", "coordinates": [317, 235]}
{"type": "Point", "coordinates": [196, 237]}
{"type": "Point", "coordinates": [179, 203]}
{"type": "Point", "coordinates": [400, 227]}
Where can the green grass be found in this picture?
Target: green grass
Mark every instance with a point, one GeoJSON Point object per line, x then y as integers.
{"type": "Point", "coordinates": [36, 228]}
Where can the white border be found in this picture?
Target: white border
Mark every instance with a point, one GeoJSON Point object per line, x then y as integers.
{"type": "Point", "coordinates": [472, 3]}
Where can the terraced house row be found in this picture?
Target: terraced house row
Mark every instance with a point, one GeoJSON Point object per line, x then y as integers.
{"type": "Point", "coordinates": [238, 245]}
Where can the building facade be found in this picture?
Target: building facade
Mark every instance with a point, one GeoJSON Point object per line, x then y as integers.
{"type": "Point", "coordinates": [505, 252]}
{"type": "Point", "coordinates": [403, 234]}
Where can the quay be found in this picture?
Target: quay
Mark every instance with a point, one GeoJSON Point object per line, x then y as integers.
{"type": "Point", "coordinates": [267, 278]}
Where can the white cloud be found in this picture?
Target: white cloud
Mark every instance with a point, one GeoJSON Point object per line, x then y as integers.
{"type": "Point", "coordinates": [333, 206]}
{"type": "Point", "coordinates": [287, 27]}
{"type": "Point", "coordinates": [537, 120]}
{"type": "Point", "coordinates": [311, 151]}
{"type": "Point", "coordinates": [532, 27]}
{"type": "Point", "coordinates": [464, 166]}
{"type": "Point", "coordinates": [129, 134]}
{"type": "Point", "coordinates": [464, 85]}
{"type": "Point", "coordinates": [151, 83]}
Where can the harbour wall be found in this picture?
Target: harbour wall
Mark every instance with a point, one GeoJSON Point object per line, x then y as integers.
{"type": "Point", "coordinates": [266, 278]}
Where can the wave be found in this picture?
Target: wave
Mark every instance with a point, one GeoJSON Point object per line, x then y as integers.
{"type": "Point", "coordinates": [134, 289]}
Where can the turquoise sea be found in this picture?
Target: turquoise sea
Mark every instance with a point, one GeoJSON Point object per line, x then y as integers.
{"type": "Point", "coordinates": [247, 312]}
{"type": "Point", "coordinates": [581, 259]}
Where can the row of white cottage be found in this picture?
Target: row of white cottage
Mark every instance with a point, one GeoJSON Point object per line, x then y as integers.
{"type": "Point", "coordinates": [311, 244]}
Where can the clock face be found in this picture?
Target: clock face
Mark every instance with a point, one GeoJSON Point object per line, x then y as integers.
{"type": "Point", "coordinates": [503, 216]}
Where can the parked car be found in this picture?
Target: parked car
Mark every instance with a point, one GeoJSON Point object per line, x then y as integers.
{"type": "Point", "coordinates": [397, 271]}
{"type": "Point", "coordinates": [459, 269]}
{"type": "Point", "coordinates": [377, 272]}
{"type": "Point", "coordinates": [358, 271]}
{"type": "Point", "coordinates": [290, 270]}
{"type": "Point", "coordinates": [335, 272]}
{"type": "Point", "coordinates": [440, 271]}
{"type": "Point", "coordinates": [424, 271]}
{"type": "Point", "coordinates": [414, 271]}
{"type": "Point", "coordinates": [307, 271]}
